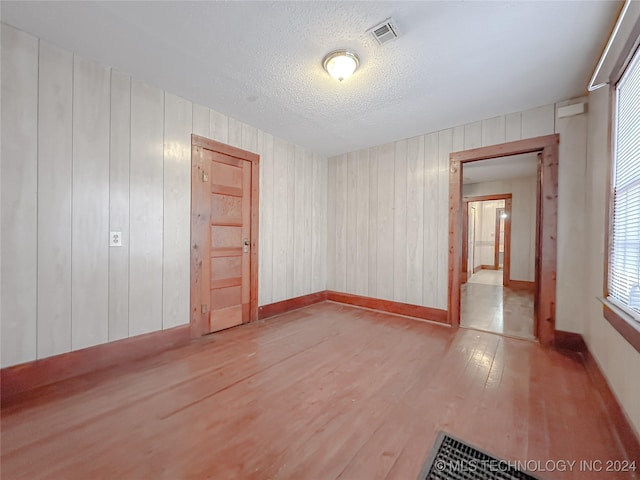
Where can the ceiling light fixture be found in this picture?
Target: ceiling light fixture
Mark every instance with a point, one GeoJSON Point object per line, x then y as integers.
{"type": "Point", "coordinates": [341, 64]}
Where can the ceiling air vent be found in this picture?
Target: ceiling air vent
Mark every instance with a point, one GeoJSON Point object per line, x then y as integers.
{"type": "Point", "coordinates": [384, 32]}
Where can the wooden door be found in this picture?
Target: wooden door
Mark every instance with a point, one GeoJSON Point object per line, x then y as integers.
{"type": "Point", "coordinates": [222, 239]}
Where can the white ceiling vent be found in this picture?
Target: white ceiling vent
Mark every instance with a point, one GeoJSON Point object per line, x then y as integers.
{"type": "Point", "coordinates": [384, 32]}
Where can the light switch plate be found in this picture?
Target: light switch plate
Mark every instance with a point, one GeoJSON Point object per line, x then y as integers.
{"type": "Point", "coordinates": [115, 239]}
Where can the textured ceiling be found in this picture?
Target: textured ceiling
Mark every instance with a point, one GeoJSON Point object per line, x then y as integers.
{"type": "Point", "coordinates": [502, 168]}
{"type": "Point", "coordinates": [260, 62]}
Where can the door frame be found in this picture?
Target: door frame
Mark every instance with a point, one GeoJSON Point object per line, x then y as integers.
{"type": "Point", "coordinates": [546, 241]}
{"type": "Point", "coordinates": [201, 220]}
{"type": "Point", "coordinates": [506, 269]}
{"type": "Point", "coordinates": [497, 235]}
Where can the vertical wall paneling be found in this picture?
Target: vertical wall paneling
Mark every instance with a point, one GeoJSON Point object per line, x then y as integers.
{"type": "Point", "coordinates": [415, 225]}
{"type": "Point", "coordinates": [19, 152]}
{"type": "Point", "coordinates": [458, 138]}
{"type": "Point", "coordinates": [290, 219]}
{"type": "Point", "coordinates": [321, 184]}
{"type": "Point", "coordinates": [119, 163]}
{"type": "Point", "coordinates": [266, 232]}
{"type": "Point", "coordinates": [177, 205]}
{"type": "Point", "coordinates": [385, 206]}
{"type": "Point", "coordinates": [445, 146]}
{"type": "Point", "coordinates": [90, 228]}
{"type": "Point", "coordinates": [352, 220]}
{"type": "Point", "coordinates": [400, 223]}
{"type": "Point", "coordinates": [235, 133]}
{"type": "Point", "coordinates": [572, 217]}
{"type": "Point", "coordinates": [430, 253]}
{"type": "Point", "coordinates": [473, 135]}
{"type": "Point", "coordinates": [340, 280]}
{"type": "Point", "coordinates": [362, 224]}
{"type": "Point", "coordinates": [513, 127]}
{"type": "Point", "coordinates": [331, 222]}
{"type": "Point", "coordinates": [493, 131]}
{"type": "Point", "coordinates": [538, 121]}
{"type": "Point", "coordinates": [55, 87]}
{"type": "Point", "coordinates": [249, 139]}
{"type": "Point", "coordinates": [373, 222]}
{"type": "Point", "coordinates": [280, 217]}
{"type": "Point", "coordinates": [145, 270]}
{"type": "Point", "coordinates": [201, 123]}
{"type": "Point", "coordinates": [298, 225]}
{"type": "Point", "coordinates": [307, 258]}
{"type": "Point", "coordinates": [218, 126]}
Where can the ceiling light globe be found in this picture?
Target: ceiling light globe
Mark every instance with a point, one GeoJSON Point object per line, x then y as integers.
{"type": "Point", "coordinates": [341, 64]}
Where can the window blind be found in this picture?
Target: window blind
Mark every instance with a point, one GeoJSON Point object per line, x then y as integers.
{"type": "Point", "coordinates": [624, 263]}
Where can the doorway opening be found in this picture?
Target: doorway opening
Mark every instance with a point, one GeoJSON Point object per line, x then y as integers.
{"type": "Point", "coordinates": [528, 274]}
{"type": "Point", "coordinates": [491, 300]}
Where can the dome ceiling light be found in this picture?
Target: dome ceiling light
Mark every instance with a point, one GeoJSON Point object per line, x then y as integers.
{"type": "Point", "coordinates": [341, 64]}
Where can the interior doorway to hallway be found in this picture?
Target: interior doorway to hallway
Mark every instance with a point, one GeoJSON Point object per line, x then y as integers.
{"type": "Point", "coordinates": [498, 194]}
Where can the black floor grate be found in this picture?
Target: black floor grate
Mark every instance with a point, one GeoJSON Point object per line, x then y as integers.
{"type": "Point", "coordinates": [451, 459]}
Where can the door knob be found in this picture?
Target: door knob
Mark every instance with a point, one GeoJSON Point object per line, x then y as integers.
{"type": "Point", "coordinates": [245, 245]}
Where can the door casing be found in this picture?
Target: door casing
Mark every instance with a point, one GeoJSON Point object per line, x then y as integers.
{"type": "Point", "coordinates": [547, 226]}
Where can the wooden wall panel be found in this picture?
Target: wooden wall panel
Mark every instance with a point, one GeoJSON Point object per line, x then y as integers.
{"type": "Point", "coordinates": [235, 133]}
{"type": "Point", "coordinates": [299, 214]}
{"type": "Point", "coordinates": [362, 224]}
{"type": "Point", "coordinates": [431, 186]}
{"type": "Point", "coordinates": [177, 207]}
{"type": "Point", "coordinates": [145, 272]}
{"type": "Point", "coordinates": [415, 219]}
{"type": "Point", "coordinates": [472, 135]}
{"type": "Point", "coordinates": [445, 147]}
{"type": "Point", "coordinates": [249, 140]}
{"type": "Point", "coordinates": [320, 216]}
{"type": "Point", "coordinates": [119, 163]}
{"type": "Point", "coordinates": [385, 206]}
{"type": "Point", "coordinates": [280, 208]}
{"type": "Point", "coordinates": [201, 124]}
{"type": "Point", "coordinates": [332, 261]}
{"type": "Point", "coordinates": [290, 221]}
{"type": "Point", "coordinates": [400, 223]}
{"type": "Point", "coordinates": [90, 240]}
{"type": "Point", "coordinates": [513, 127]}
{"type": "Point", "coordinates": [340, 198]}
{"type": "Point", "coordinates": [493, 131]}
{"type": "Point", "coordinates": [373, 222]}
{"type": "Point", "coordinates": [538, 121]}
{"type": "Point", "coordinates": [307, 212]}
{"type": "Point", "coordinates": [55, 133]}
{"type": "Point", "coordinates": [352, 218]}
{"type": "Point", "coordinates": [218, 127]}
{"type": "Point", "coordinates": [265, 253]}
{"type": "Point", "coordinates": [19, 156]}
{"type": "Point", "coordinates": [572, 219]}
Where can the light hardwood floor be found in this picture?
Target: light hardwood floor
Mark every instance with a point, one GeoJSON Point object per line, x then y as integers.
{"type": "Point", "coordinates": [328, 391]}
{"type": "Point", "coordinates": [497, 309]}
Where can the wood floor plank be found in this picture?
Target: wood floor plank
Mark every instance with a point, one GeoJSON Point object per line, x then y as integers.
{"type": "Point", "coordinates": [328, 391]}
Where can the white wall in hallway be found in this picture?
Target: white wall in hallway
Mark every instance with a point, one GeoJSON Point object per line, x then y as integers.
{"type": "Point", "coordinates": [523, 221]}
{"type": "Point", "coordinates": [87, 150]}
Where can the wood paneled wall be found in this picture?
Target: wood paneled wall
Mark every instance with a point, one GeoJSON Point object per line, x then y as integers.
{"type": "Point", "coordinates": [87, 150]}
{"type": "Point", "coordinates": [523, 222]}
{"type": "Point", "coordinates": [404, 211]}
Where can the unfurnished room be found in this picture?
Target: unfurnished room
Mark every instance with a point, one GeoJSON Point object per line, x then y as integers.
{"type": "Point", "coordinates": [320, 240]}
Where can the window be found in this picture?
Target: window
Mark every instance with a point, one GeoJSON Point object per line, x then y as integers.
{"type": "Point", "coordinates": [624, 261]}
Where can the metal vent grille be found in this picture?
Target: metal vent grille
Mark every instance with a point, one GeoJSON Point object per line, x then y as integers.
{"type": "Point", "coordinates": [384, 32]}
{"type": "Point", "coordinates": [451, 459]}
